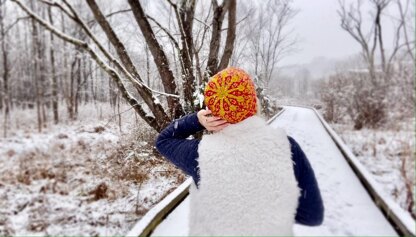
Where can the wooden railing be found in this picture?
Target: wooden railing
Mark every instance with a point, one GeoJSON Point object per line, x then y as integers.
{"type": "Point", "coordinates": [401, 220]}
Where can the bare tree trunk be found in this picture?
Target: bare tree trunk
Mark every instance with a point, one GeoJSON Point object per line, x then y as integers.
{"type": "Point", "coordinates": [82, 77]}
{"type": "Point", "coordinates": [54, 98]}
{"type": "Point", "coordinates": [129, 70]}
{"type": "Point", "coordinates": [71, 96]}
{"type": "Point", "coordinates": [36, 67]}
{"type": "Point", "coordinates": [147, 65]}
{"type": "Point", "coordinates": [185, 16]}
{"type": "Point", "coordinates": [122, 67]}
{"type": "Point", "coordinates": [78, 86]}
{"type": "Point", "coordinates": [6, 70]}
{"type": "Point", "coordinates": [380, 38]}
{"type": "Point", "coordinates": [229, 42]}
{"type": "Point", "coordinates": [93, 83]}
{"type": "Point", "coordinates": [28, 68]}
{"type": "Point", "coordinates": [43, 71]}
{"type": "Point", "coordinates": [2, 39]}
{"type": "Point", "coordinates": [63, 81]}
{"type": "Point", "coordinates": [410, 46]}
{"type": "Point", "coordinates": [87, 75]}
{"type": "Point", "coordinates": [214, 46]}
{"type": "Point", "coordinates": [1, 95]}
{"type": "Point", "coordinates": [112, 94]}
{"type": "Point", "coordinates": [159, 57]}
{"type": "Point", "coordinates": [119, 114]}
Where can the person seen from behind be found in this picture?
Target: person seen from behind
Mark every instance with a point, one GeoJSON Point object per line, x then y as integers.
{"type": "Point", "coordinates": [249, 178]}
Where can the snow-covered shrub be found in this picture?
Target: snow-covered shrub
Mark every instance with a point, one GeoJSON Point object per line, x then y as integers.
{"type": "Point", "coordinates": [268, 104]}
{"type": "Point", "coordinates": [352, 96]}
{"type": "Point", "coordinates": [334, 94]}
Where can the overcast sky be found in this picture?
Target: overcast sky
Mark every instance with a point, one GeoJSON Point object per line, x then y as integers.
{"type": "Point", "coordinates": [317, 26]}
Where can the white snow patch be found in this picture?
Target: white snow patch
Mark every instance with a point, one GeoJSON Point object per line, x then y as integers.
{"type": "Point", "coordinates": [49, 180]}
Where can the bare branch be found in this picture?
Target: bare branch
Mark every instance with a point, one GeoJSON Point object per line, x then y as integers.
{"type": "Point", "coordinates": [138, 83]}
{"type": "Point", "coordinates": [117, 12]}
{"type": "Point", "coordinates": [159, 57]}
{"type": "Point", "coordinates": [229, 42]}
{"type": "Point", "coordinates": [91, 22]}
{"type": "Point", "coordinates": [351, 22]}
{"type": "Point", "coordinates": [45, 24]}
{"type": "Point", "coordinates": [55, 4]}
{"type": "Point", "coordinates": [403, 13]}
{"type": "Point", "coordinates": [166, 32]}
{"type": "Point", "coordinates": [112, 72]}
{"type": "Point", "coordinates": [171, 3]}
{"type": "Point", "coordinates": [197, 49]}
{"type": "Point", "coordinates": [202, 22]}
{"type": "Point", "coordinates": [14, 23]}
{"type": "Point", "coordinates": [218, 18]}
{"type": "Point", "coordinates": [115, 41]}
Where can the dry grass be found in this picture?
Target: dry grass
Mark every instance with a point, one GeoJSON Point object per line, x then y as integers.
{"type": "Point", "coordinates": [407, 172]}
{"type": "Point", "coordinates": [85, 179]}
{"type": "Point", "coordinates": [389, 155]}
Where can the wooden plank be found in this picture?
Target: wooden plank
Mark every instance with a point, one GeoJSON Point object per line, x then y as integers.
{"type": "Point", "coordinates": [146, 225]}
{"type": "Point", "coordinates": [149, 222]}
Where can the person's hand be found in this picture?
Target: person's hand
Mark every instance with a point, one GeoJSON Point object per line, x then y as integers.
{"type": "Point", "coordinates": [209, 122]}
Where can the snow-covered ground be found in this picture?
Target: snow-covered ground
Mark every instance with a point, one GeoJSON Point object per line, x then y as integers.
{"type": "Point", "coordinates": [388, 155]}
{"type": "Point", "coordinates": [88, 177]}
{"type": "Point", "coordinates": [349, 210]}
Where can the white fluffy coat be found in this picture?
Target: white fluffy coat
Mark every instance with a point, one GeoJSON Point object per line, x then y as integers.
{"type": "Point", "coordinates": [247, 183]}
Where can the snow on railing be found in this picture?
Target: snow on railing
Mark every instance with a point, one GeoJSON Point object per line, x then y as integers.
{"type": "Point", "coordinates": [160, 211]}
{"type": "Point", "coordinates": [401, 219]}
{"type": "Point", "coordinates": [155, 215]}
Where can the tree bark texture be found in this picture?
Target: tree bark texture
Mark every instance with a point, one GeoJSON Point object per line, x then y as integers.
{"type": "Point", "coordinates": [54, 83]}
{"type": "Point", "coordinates": [214, 46]}
{"type": "Point", "coordinates": [6, 70]}
{"type": "Point", "coordinates": [121, 67]}
{"type": "Point", "coordinates": [159, 57]}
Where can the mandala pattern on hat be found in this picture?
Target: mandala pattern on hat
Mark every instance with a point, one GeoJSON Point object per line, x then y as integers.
{"type": "Point", "coordinates": [231, 95]}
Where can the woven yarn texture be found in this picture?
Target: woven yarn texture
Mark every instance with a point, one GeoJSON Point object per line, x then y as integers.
{"type": "Point", "coordinates": [230, 94]}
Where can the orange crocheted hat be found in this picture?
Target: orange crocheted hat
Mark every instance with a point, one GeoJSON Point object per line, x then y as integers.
{"type": "Point", "coordinates": [230, 94]}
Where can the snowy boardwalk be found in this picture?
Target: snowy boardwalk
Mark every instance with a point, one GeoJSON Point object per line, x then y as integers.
{"type": "Point", "coordinates": [349, 210]}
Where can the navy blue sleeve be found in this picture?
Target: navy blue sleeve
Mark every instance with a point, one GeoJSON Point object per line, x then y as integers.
{"type": "Point", "coordinates": [310, 209]}
{"type": "Point", "coordinates": [173, 144]}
